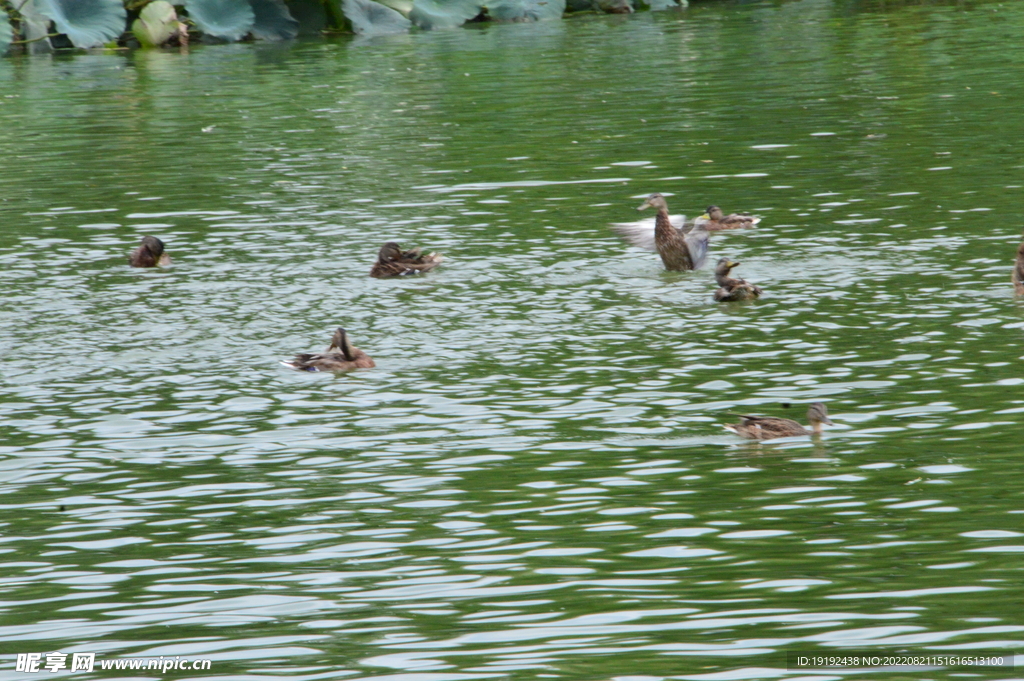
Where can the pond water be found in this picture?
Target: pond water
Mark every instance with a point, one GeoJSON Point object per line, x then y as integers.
{"type": "Point", "coordinates": [534, 481]}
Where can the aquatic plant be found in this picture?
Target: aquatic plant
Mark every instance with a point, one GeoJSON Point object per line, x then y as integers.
{"type": "Point", "coordinates": [42, 25]}
{"type": "Point", "coordinates": [6, 33]}
{"type": "Point", "coordinates": [158, 24]}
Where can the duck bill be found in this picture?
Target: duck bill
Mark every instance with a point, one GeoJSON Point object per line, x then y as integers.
{"type": "Point", "coordinates": [645, 204]}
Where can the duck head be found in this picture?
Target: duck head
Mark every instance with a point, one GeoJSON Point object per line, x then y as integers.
{"type": "Point", "coordinates": [154, 246]}
{"type": "Point", "coordinates": [724, 265]}
{"type": "Point", "coordinates": [712, 213]}
{"type": "Point", "coordinates": [341, 343]}
{"type": "Point", "coordinates": [655, 200]}
{"type": "Point", "coordinates": [388, 252]}
{"type": "Point", "coordinates": [817, 414]}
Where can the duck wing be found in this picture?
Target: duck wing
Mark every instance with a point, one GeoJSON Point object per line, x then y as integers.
{"type": "Point", "coordinates": [737, 293]}
{"type": "Point", "coordinates": [641, 232]}
{"type": "Point", "coordinates": [767, 427]}
{"type": "Point", "coordinates": [304, 362]}
{"type": "Point", "coordinates": [738, 221]}
{"type": "Point", "coordinates": [326, 361]}
{"type": "Point", "coordinates": [697, 243]}
{"type": "Point", "coordinates": [400, 268]}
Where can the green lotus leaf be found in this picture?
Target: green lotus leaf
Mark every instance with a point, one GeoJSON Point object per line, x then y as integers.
{"type": "Point", "coordinates": [273, 20]}
{"type": "Point", "coordinates": [431, 14]}
{"type": "Point", "coordinates": [86, 23]}
{"type": "Point", "coordinates": [156, 24]}
{"type": "Point", "coordinates": [373, 18]}
{"type": "Point", "coordinates": [227, 19]}
{"type": "Point", "coordinates": [525, 10]}
{"type": "Point", "coordinates": [6, 33]}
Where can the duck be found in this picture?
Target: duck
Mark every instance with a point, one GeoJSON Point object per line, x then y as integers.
{"type": "Point", "coordinates": [340, 356]}
{"type": "Point", "coordinates": [771, 427]}
{"type": "Point", "coordinates": [1018, 271]}
{"type": "Point", "coordinates": [715, 221]}
{"type": "Point", "coordinates": [392, 261]}
{"type": "Point", "coordinates": [732, 289]}
{"type": "Point", "coordinates": [150, 253]}
{"type": "Point", "coordinates": [681, 248]}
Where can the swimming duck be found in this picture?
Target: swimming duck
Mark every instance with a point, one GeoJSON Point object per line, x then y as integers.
{"type": "Point", "coordinates": [1018, 271]}
{"type": "Point", "coordinates": [392, 261]}
{"type": "Point", "coordinates": [715, 221]}
{"type": "Point", "coordinates": [679, 248]}
{"type": "Point", "coordinates": [732, 289]}
{"type": "Point", "coordinates": [150, 253]}
{"type": "Point", "coordinates": [770, 427]}
{"type": "Point", "coordinates": [340, 356]}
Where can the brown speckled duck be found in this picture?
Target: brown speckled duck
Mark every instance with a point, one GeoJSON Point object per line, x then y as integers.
{"type": "Point", "coordinates": [150, 253]}
{"type": "Point", "coordinates": [715, 221]}
{"type": "Point", "coordinates": [770, 427]}
{"type": "Point", "coordinates": [1018, 271]}
{"type": "Point", "coordinates": [680, 248]}
{"type": "Point", "coordinates": [340, 356]}
{"type": "Point", "coordinates": [732, 290]}
{"type": "Point", "coordinates": [392, 261]}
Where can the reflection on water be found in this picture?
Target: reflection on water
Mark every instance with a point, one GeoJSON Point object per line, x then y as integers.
{"type": "Point", "coordinates": [534, 481]}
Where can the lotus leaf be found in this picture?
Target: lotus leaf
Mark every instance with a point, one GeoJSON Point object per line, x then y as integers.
{"type": "Point", "coordinates": [86, 23]}
{"type": "Point", "coordinates": [273, 20]}
{"type": "Point", "coordinates": [35, 27]}
{"type": "Point", "coordinates": [6, 33]}
{"type": "Point", "coordinates": [403, 7]}
{"type": "Point", "coordinates": [372, 18]}
{"type": "Point", "coordinates": [310, 15]}
{"type": "Point", "coordinates": [525, 10]}
{"type": "Point", "coordinates": [156, 24]}
{"type": "Point", "coordinates": [443, 13]}
{"type": "Point", "coordinates": [227, 19]}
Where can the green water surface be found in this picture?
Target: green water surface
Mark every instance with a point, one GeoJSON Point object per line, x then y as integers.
{"type": "Point", "coordinates": [534, 481]}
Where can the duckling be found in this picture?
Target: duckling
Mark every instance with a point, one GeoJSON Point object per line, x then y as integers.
{"type": "Point", "coordinates": [715, 221]}
{"type": "Point", "coordinates": [732, 289]}
{"type": "Point", "coordinates": [340, 356]}
{"type": "Point", "coordinates": [1018, 271]}
{"type": "Point", "coordinates": [679, 248]}
{"type": "Point", "coordinates": [150, 253]}
{"type": "Point", "coordinates": [392, 261]}
{"type": "Point", "coordinates": [770, 427]}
